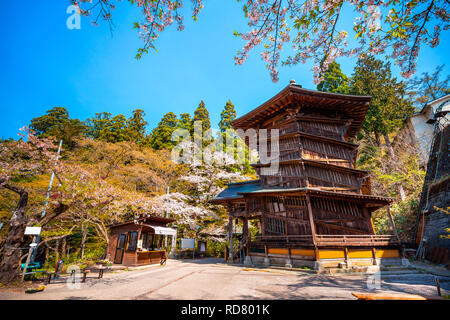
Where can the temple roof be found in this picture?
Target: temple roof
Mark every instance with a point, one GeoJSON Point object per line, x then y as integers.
{"type": "Point", "coordinates": [316, 164]}
{"type": "Point", "coordinates": [353, 107]}
{"type": "Point", "coordinates": [314, 137]}
{"type": "Point", "coordinates": [316, 191]}
{"type": "Point", "coordinates": [234, 189]}
{"type": "Point", "coordinates": [254, 188]}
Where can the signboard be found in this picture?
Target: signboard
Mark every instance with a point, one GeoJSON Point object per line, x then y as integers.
{"type": "Point", "coordinates": [34, 231]}
{"type": "Point", "coordinates": [187, 243]}
{"type": "Point", "coordinates": [237, 229]}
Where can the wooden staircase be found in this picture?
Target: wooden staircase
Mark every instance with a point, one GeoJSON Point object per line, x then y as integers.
{"type": "Point", "coordinates": [238, 252]}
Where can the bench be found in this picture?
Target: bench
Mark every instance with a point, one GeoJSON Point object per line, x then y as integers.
{"type": "Point", "coordinates": [58, 272]}
{"type": "Point", "coordinates": [100, 269]}
{"type": "Point", "coordinates": [54, 275]}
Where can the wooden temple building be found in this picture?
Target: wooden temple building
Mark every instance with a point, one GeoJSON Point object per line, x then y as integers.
{"type": "Point", "coordinates": [314, 209]}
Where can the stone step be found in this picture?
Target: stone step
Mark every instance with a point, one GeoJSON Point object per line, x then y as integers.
{"type": "Point", "coordinates": [370, 270]}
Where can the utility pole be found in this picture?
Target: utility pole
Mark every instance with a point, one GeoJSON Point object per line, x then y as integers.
{"type": "Point", "coordinates": [34, 245]}
{"type": "Point", "coordinates": [166, 216]}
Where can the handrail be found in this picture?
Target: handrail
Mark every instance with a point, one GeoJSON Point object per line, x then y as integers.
{"type": "Point", "coordinates": [356, 235]}
{"type": "Point", "coordinates": [281, 238]}
{"type": "Point", "coordinates": [325, 238]}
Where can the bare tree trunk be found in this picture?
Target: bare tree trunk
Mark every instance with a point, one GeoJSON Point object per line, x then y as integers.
{"type": "Point", "coordinates": [47, 252]}
{"type": "Point", "coordinates": [377, 139]}
{"type": "Point", "coordinates": [391, 153]}
{"type": "Point", "coordinates": [102, 230]}
{"type": "Point", "coordinates": [10, 259]}
{"type": "Point", "coordinates": [57, 251]}
{"type": "Point", "coordinates": [83, 239]}
{"type": "Point", "coordinates": [63, 248]}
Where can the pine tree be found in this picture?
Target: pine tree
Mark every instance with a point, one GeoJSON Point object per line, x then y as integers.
{"type": "Point", "coordinates": [115, 130]}
{"type": "Point", "coordinates": [201, 119]}
{"type": "Point", "coordinates": [334, 80]}
{"type": "Point", "coordinates": [162, 135]}
{"type": "Point", "coordinates": [202, 114]}
{"type": "Point", "coordinates": [96, 124]}
{"type": "Point", "coordinates": [56, 123]}
{"type": "Point", "coordinates": [388, 107]}
{"type": "Point", "coordinates": [136, 126]}
{"type": "Point", "coordinates": [185, 122]}
{"type": "Point", "coordinates": [227, 116]}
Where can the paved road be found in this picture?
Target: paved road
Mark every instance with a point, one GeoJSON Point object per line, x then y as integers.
{"type": "Point", "coordinates": [211, 279]}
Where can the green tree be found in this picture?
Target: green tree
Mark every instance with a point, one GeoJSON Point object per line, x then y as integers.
{"type": "Point", "coordinates": [202, 123]}
{"type": "Point", "coordinates": [334, 80]}
{"type": "Point", "coordinates": [185, 122]}
{"type": "Point", "coordinates": [56, 123]}
{"type": "Point", "coordinates": [115, 130]}
{"type": "Point", "coordinates": [388, 107]}
{"type": "Point", "coordinates": [136, 126]}
{"type": "Point", "coordinates": [162, 135]}
{"type": "Point", "coordinates": [97, 124]}
{"type": "Point", "coordinates": [227, 116]}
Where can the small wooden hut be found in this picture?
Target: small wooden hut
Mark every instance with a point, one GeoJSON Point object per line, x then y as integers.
{"type": "Point", "coordinates": [314, 208]}
{"type": "Point", "coordinates": [141, 241]}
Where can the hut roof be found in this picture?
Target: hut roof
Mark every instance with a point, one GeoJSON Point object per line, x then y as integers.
{"type": "Point", "coordinates": [147, 219]}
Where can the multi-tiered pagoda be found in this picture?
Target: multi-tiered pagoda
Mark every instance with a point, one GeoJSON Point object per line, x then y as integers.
{"type": "Point", "coordinates": [314, 209]}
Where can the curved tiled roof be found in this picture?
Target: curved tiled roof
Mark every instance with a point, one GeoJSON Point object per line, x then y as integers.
{"type": "Point", "coordinates": [354, 107]}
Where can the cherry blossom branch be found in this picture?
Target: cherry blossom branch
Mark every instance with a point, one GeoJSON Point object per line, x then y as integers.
{"type": "Point", "coordinates": [414, 48]}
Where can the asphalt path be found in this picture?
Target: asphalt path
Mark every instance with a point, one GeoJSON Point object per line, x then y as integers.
{"type": "Point", "coordinates": [211, 279]}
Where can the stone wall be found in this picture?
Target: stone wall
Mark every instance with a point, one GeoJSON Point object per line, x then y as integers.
{"type": "Point", "coordinates": [436, 193]}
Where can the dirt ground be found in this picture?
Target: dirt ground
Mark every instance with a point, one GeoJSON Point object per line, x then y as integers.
{"type": "Point", "coordinates": [211, 279]}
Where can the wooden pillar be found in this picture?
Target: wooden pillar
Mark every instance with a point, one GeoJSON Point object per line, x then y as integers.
{"type": "Point", "coordinates": [346, 254]}
{"type": "Point", "coordinates": [392, 223]}
{"type": "Point", "coordinates": [368, 220]}
{"type": "Point", "coordinates": [230, 237]}
{"type": "Point", "coordinates": [263, 217]}
{"type": "Point", "coordinates": [245, 224]}
{"type": "Point", "coordinates": [245, 233]}
{"type": "Point", "coordinates": [173, 247]}
{"type": "Point", "coordinates": [374, 255]}
{"type": "Point", "coordinates": [139, 233]}
{"type": "Point", "coordinates": [313, 227]}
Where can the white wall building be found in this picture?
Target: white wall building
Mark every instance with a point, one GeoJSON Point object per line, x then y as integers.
{"type": "Point", "coordinates": [421, 130]}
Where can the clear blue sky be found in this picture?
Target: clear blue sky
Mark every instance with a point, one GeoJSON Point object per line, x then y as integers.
{"type": "Point", "coordinates": [43, 64]}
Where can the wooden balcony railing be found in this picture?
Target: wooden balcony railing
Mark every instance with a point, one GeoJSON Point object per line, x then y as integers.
{"type": "Point", "coordinates": [355, 240]}
{"type": "Point", "coordinates": [328, 240]}
{"type": "Point", "coordinates": [283, 239]}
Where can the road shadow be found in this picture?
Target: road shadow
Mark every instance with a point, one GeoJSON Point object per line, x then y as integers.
{"type": "Point", "coordinates": [328, 287]}
{"type": "Point", "coordinates": [203, 261]}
